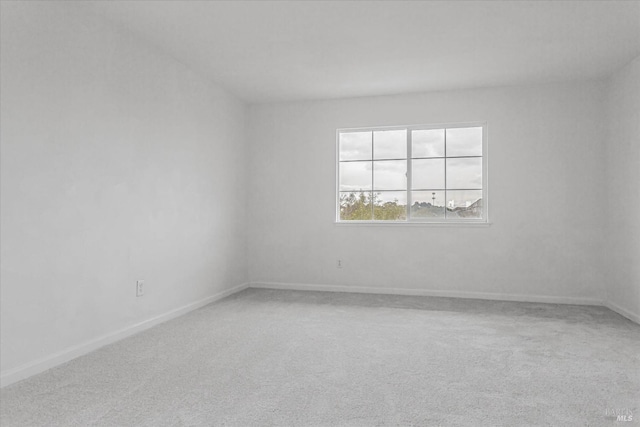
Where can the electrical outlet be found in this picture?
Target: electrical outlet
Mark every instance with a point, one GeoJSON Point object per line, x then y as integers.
{"type": "Point", "coordinates": [339, 264]}
{"type": "Point", "coordinates": [139, 288]}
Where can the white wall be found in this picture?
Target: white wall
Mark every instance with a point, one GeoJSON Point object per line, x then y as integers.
{"type": "Point", "coordinates": [118, 163]}
{"type": "Point", "coordinates": [546, 196]}
{"type": "Point", "coordinates": [621, 259]}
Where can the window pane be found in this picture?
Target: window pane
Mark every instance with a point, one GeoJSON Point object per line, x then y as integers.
{"type": "Point", "coordinates": [427, 143]}
{"type": "Point", "coordinates": [427, 204]}
{"type": "Point", "coordinates": [355, 206]}
{"type": "Point", "coordinates": [464, 204]}
{"type": "Point", "coordinates": [355, 146]}
{"type": "Point", "coordinates": [464, 142]}
{"type": "Point", "coordinates": [427, 174]}
{"type": "Point", "coordinates": [464, 173]}
{"type": "Point", "coordinates": [390, 205]}
{"type": "Point", "coordinates": [390, 144]}
{"type": "Point", "coordinates": [390, 175]}
{"type": "Point", "coordinates": [355, 176]}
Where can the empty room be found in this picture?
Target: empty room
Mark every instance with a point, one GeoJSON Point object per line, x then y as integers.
{"type": "Point", "coordinates": [320, 213]}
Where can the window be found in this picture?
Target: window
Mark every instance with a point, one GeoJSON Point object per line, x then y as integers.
{"type": "Point", "coordinates": [421, 174]}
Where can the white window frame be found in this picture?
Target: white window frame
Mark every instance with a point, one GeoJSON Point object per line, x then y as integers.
{"type": "Point", "coordinates": [420, 221]}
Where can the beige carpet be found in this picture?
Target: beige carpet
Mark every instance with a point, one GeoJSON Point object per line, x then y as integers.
{"type": "Point", "coordinates": [266, 357]}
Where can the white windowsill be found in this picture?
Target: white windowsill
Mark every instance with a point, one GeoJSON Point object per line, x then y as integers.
{"type": "Point", "coordinates": [409, 224]}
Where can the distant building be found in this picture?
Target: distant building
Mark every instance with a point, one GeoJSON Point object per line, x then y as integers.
{"type": "Point", "coordinates": [470, 210]}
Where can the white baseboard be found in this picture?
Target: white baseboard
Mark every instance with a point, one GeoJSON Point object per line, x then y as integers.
{"type": "Point", "coordinates": [32, 368]}
{"type": "Point", "coordinates": [428, 292]}
{"type": "Point", "coordinates": [634, 317]}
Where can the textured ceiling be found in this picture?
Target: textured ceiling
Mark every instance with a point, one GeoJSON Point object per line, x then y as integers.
{"type": "Point", "coordinates": [268, 51]}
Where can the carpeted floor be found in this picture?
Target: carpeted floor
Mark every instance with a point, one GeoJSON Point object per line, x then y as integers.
{"type": "Point", "coordinates": [288, 358]}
